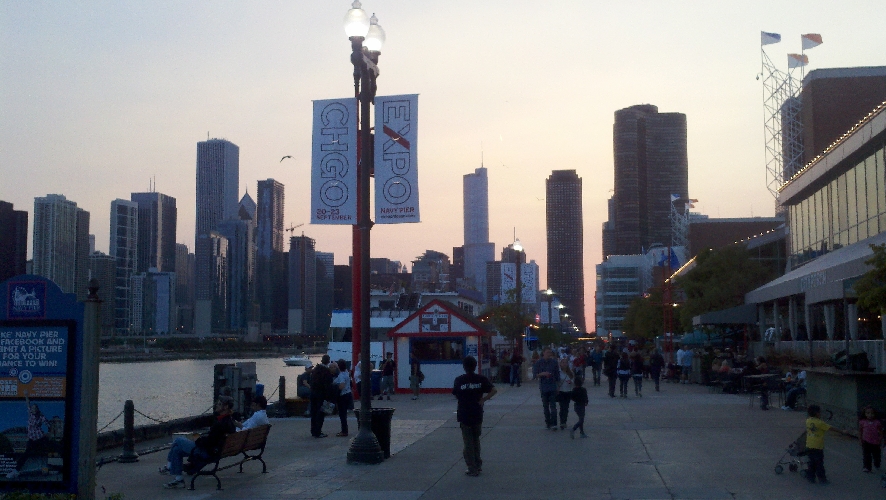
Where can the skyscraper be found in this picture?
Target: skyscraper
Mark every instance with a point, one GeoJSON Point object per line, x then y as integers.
{"type": "Point", "coordinates": [61, 243]}
{"type": "Point", "coordinates": [218, 177]}
{"type": "Point", "coordinates": [651, 164]}
{"type": "Point", "coordinates": [302, 286]}
{"type": "Point", "coordinates": [13, 241]}
{"type": "Point", "coordinates": [185, 266]}
{"type": "Point", "coordinates": [240, 234]}
{"type": "Point", "coordinates": [157, 220]}
{"type": "Point", "coordinates": [565, 242]}
{"type": "Point", "coordinates": [103, 268]}
{"type": "Point", "coordinates": [478, 250]}
{"type": "Point", "coordinates": [271, 281]}
{"type": "Point", "coordinates": [124, 249]}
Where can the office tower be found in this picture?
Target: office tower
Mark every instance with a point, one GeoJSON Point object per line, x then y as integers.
{"type": "Point", "coordinates": [325, 290]}
{"type": "Point", "coordinates": [240, 234]}
{"type": "Point", "coordinates": [185, 266]}
{"type": "Point", "coordinates": [218, 177]}
{"type": "Point", "coordinates": [650, 165]}
{"type": "Point", "coordinates": [157, 220]}
{"type": "Point", "coordinates": [271, 280]}
{"type": "Point", "coordinates": [342, 297]}
{"type": "Point", "coordinates": [478, 250]}
{"type": "Point", "coordinates": [565, 242]}
{"type": "Point", "coordinates": [13, 241]}
{"type": "Point", "coordinates": [302, 286]}
{"type": "Point", "coordinates": [61, 243]}
{"type": "Point", "coordinates": [103, 268]}
{"type": "Point", "coordinates": [153, 302]}
{"type": "Point", "coordinates": [430, 272]}
{"type": "Point", "coordinates": [124, 248]}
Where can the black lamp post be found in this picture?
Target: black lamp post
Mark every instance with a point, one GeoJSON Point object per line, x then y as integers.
{"type": "Point", "coordinates": [366, 40]}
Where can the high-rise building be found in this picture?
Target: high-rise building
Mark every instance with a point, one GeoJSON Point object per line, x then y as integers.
{"type": "Point", "coordinates": [185, 265]}
{"type": "Point", "coordinates": [651, 164]}
{"type": "Point", "coordinates": [478, 250]}
{"type": "Point", "coordinates": [302, 286]}
{"type": "Point", "coordinates": [218, 177]}
{"type": "Point", "coordinates": [153, 302]}
{"type": "Point", "coordinates": [13, 241]}
{"type": "Point", "coordinates": [430, 272]}
{"type": "Point", "coordinates": [103, 268]}
{"type": "Point", "coordinates": [61, 243]}
{"type": "Point", "coordinates": [565, 242]}
{"type": "Point", "coordinates": [240, 234]}
{"type": "Point", "coordinates": [157, 220]}
{"type": "Point", "coordinates": [124, 248]}
{"type": "Point", "coordinates": [325, 289]}
{"type": "Point", "coordinates": [271, 280]}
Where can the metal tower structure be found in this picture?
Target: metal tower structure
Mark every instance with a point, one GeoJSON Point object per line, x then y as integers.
{"type": "Point", "coordinates": [680, 221]}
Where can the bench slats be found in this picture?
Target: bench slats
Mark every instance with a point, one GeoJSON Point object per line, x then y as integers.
{"type": "Point", "coordinates": [236, 444]}
{"type": "Point", "coordinates": [256, 438]}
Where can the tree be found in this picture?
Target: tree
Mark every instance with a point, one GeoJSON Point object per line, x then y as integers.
{"type": "Point", "coordinates": [645, 316]}
{"type": "Point", "coordinates": [508, 321]}
{"type": "Point", "coordinates": [720, 280]}
{"type": "Point", "coordinates": [871, 286]}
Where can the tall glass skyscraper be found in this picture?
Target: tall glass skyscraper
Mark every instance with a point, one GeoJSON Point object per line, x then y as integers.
{"type": "Point", "coordinates": [124, 249]}
{"type": "Point", "coordinates": [478, 250]}
{"type": "Point", "coordinates": [61, 243]}
{"type": "Point", "coordinates": [157, 220]}
{"type": "Point", "coordinates": [271, 280]}
{"type": "Point", "coordinates": [218, 178]}
{"type": "Point", "coordinates": [565, 231]}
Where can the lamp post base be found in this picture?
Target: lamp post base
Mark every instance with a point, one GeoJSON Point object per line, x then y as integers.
{"type": "Point", "coordinates": [365, 448]}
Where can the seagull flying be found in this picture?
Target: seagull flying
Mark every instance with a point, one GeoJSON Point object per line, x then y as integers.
{"type": "Point", "coordinates": [281, 159]}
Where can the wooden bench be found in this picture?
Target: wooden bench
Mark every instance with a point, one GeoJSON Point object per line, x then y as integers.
{"type": "Point", "coordinates": [237, 444]}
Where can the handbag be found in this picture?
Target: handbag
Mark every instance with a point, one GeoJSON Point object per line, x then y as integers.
{"type": "Point", "coordinates": [328, 407]}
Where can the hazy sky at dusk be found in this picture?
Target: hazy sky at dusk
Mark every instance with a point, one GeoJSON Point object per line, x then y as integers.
{"type": "Point", "coordinates": [97, 97]}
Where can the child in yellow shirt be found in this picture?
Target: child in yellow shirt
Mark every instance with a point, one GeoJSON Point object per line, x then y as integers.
{"type": "Point", "coordinates": [815, 431]}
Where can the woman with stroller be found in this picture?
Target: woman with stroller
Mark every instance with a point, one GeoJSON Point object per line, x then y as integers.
{"type": "Point", "coordinates": [623, 370]}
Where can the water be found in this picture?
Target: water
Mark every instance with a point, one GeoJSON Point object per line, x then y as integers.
{"type": "Point", "coordinates": [165, 390]}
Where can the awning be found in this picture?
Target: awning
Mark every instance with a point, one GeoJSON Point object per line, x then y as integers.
{"type": "Point", "coordinates": [739, 315]}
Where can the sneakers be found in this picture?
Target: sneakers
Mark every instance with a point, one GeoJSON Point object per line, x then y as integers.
{"type": "Point", "coordinates": [165, 470]}
{"type": "Point", "coordinates": [866, 470]}
{"type": "Point", "coordinates": [414, 398]}
{"type": "Point", "coordinates": [583, 435]}
{"type": "Point", "coordinates": [342, 434]}
{"type": "Point", "coordinates": [175, 483]}
{"type": "Point", "coordinates": [472, 473]}
{"type": "Point", "coordinates": [787, 408]}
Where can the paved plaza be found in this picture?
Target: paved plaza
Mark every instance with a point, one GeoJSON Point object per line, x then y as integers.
{"type": "Point", "coordinates": [681, 443]}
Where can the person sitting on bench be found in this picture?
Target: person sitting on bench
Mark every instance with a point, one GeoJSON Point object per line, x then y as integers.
{"type": "Point", "coordinates": [204, 447]}
{"type": "Point", "coordinates": [259, 415]}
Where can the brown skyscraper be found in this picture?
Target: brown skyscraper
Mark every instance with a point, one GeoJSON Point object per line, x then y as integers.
{"type": "Point", "coordinates": [565, 242]}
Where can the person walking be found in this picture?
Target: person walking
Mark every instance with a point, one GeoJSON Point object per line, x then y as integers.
{"type": "Point", "coordinates": [580, 401]}
{"type": "Point", "coordinates": [637, 368]}
{"type": "Point", "coordinates": [472, 391]}
{"type": "Point", "coordinates": [564, 391]}
{"type": "Point", "coordinates": [595, 360]}
{"type": "Point", "coordinates": [685, 362]}
{"type": "Point", "coordinates": [516, 368]}
{"type": "Point", "coordinates": [345, 400]}
{"type": "Point", "coordinates": [416, 377]}
{"type": "Point", "coordinates": [623, 370]}
{"type": "Point", "coordinates": [610, 366]}
{"type": "Point", "coordinates": [870, 435]}
{"type": "Point", "coordinates": [656, 363]}
{"type": "Point", "coordinates": [387, 376]}
{"type": "Point", "coordinates": [547, 371]}
{"type": "Point", "coordinates": [321, 387]}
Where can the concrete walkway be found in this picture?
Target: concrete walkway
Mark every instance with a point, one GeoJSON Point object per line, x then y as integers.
{"type": "Point", "coordinates": [680, 443]}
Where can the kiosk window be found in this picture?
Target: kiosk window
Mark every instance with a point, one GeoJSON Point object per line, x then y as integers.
{"type": "Point", "coordinates": [439, 349]}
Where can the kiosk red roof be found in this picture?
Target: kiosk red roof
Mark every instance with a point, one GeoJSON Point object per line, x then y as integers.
{"type": "Point", "coordinates": [438, 318]}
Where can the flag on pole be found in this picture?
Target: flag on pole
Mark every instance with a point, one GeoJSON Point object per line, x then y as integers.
{"type": "Point", "coordinates": [797, 60]}
{"type": "Point", "coordinates": [769, 38]}
{"type": "Point", "coordinates": [675, 197]}
{"type": "Point", "coordinates": [810, 40]}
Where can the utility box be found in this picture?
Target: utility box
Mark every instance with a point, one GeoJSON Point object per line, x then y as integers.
{"type": "Point", "coordinates": [238, 381]}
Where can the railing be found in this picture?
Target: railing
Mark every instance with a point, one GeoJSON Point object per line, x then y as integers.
{"type": "Point", "coordinates": [800, 348]}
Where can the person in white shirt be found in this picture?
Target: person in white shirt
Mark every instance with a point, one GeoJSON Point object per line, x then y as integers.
{"type": "Point", "coordinates": [259, 415]}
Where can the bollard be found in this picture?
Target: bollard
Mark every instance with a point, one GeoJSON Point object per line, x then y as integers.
{"type": "Point", "coordinates": [281, 405]}
{"type": "Point", "coordinates": [129, 455]}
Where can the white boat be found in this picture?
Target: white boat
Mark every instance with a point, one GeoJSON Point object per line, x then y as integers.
{"type": "Point", "coordinates": [298, 360]}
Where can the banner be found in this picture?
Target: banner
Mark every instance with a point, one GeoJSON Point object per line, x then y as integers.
{"type": "Point", "coordinates": [509, 283]}
{"type": "Point", "coordinates": [396, 175]}
{"type": "Point", "coordinates": [334, 162]}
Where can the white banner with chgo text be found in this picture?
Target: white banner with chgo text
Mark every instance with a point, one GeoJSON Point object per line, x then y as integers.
{"type": "Point", "coordinates": [334, 162]}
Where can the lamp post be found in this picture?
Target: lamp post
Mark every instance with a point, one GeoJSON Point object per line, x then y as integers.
{"type": "Point", "coordinates": [366, 38]}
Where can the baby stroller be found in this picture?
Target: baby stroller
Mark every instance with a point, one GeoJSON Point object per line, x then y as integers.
{"type": "Point", "coordinates": [797, 453]}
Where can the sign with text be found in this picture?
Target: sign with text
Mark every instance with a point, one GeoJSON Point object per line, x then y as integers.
{"type": "Point", "coordinates": [396, 159]}
{"type": "Point", "coordinates": [334, 162]}
{"type": "Point", "coordinates": [35, 356]}
{"type": "Point", "coordinates": [509, 283]}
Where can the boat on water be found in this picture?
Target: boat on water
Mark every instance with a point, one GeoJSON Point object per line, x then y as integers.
{"type": "Point", "coordinates": [298, 360]}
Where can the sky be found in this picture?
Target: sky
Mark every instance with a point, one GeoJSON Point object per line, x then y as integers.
{"type": "Point", "coordinates": [99, 97]}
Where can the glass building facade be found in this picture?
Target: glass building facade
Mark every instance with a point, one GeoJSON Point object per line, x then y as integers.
{"type": "Point", "coordinates": [847, 209]}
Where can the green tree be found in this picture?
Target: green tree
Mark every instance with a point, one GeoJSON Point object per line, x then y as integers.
{"type": "Point", "coordinates": [645, 316]}
{"type": "Point", "coordinates": [508, 321]}
{"type": "Point", "coordinates": [871, 286]}
{"type": "Point", "coordinates": [719, 280]}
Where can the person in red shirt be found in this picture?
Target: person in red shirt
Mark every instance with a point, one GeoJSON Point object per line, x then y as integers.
{"type": "Point", "coordinates": [870, 435]}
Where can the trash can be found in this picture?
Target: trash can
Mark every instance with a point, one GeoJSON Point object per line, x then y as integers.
{"type": "Point", "coordinates": [375, 380]}
{"type": "Point", "coordinates": [381, 427]}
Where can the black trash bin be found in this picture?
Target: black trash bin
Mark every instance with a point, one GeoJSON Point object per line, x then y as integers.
{"type": "Point", "coordinates": [381, 427]}
{"type": "Point", "coordinates": [375, 381]}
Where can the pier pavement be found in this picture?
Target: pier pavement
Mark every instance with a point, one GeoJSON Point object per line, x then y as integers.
{"type": "Point", "coordinates": [680, 443]}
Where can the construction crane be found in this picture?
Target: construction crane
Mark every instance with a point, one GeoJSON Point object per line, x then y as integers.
{"type": "Point", "coordinates": [293, 228]}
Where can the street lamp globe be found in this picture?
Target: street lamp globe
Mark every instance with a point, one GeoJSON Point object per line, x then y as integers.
{"type": "Point", "coordinates": [356, 21]}
{"type": "Point", "coordinates": [375, 36]}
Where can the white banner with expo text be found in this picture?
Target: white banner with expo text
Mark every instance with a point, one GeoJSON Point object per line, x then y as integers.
{"type": "Point", "coordinates": [334, 162]}
{"type": "Point", "coordinates": [396, 174]}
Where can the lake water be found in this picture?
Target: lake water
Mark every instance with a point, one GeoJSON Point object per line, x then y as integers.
{"type": "Point", "coordinates": [166, 390]}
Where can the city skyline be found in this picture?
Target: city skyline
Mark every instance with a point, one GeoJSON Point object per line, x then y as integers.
{"type": "Point", "coordinates": [122, 91]}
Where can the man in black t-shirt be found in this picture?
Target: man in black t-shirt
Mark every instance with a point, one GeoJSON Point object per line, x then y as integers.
{"type": "Point", "coordinates": [471, 390]}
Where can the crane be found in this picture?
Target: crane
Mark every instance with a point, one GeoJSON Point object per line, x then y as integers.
{"type": "Point", "coordinates": [293, 228]}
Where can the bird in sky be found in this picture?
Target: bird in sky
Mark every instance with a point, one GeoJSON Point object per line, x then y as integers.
{"type": "Point", "coordinates": [287, 156]}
